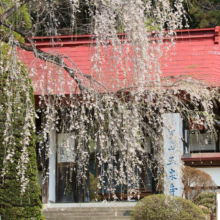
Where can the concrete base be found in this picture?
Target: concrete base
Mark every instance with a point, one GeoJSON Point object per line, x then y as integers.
{"type": "Point", "coordinates": [88, 211]}
{"type": "Point", "coordinates": [90, 204]}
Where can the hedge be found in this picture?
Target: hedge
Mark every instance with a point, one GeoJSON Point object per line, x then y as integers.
{"type": "Point", "coordinates": [13, 203]}
{"type": "Point", "coordinates": [161, 207]}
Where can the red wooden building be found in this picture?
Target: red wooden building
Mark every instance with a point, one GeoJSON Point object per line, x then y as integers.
{"type": "Point", "coordinates": [197, 54]}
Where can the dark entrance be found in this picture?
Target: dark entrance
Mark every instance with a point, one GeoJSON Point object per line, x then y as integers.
{"type": "Point", "coordinates": [66, 182]}
{"type": "Point", "coordinates": [67, 188]}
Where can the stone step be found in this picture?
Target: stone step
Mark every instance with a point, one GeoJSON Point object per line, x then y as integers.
{"type": "Point", "coordinates": [87, 213]}
{"type": "Point", "coordinates": [72, 209]}
{"type": "Point", "coordinates": [87, 210]}
{"type": "Point", "coordinates": [112, 214]}
{"type": "Point", "coordinates": [87, 218]}
{"type": "Point", "coordinates": [126, 213]}
{"type": "Point", "coordinates": [84, 215]}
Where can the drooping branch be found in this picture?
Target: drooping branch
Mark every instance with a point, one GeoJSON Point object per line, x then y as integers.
{"type": "Point", "coordinates": [44, 55]}
{"type": "Point", "coordinates": [37, 52]}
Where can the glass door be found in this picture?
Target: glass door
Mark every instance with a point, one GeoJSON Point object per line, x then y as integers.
{"type": "Point", "coordinates": [68, 190]}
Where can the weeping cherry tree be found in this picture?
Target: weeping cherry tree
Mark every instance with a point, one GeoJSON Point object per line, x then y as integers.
{"type": "Point", "coordinates": [113, 117]}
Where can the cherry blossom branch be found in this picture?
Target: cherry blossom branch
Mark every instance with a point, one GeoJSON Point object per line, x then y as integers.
{"type": "Point", "coordinates": [43, 55]}
{"type": "Point", "coordinates": [86, 76]}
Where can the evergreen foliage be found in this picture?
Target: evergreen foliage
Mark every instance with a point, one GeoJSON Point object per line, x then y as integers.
{"type": "Point", "coordinates": [203, 13]}
{"type": "Point", "coordinates": [207, 201]}
{"type": "Point", "coordinates": [20, 19]}
{"type": "Point", "coordinates": [15, 203]}
{"type": "Point", "coordinates": [166, 207]}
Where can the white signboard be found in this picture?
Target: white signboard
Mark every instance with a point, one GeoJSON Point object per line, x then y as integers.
{"type": "Point", "coordinates": [66, 148]}
{"type": "Point", "coordinates": [172, 154]}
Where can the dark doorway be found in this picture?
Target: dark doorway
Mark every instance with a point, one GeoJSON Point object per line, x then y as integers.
{"type": "Point", "coordinates": [68, 188]}
{"type": "Point", "coordinates": [66, 182]}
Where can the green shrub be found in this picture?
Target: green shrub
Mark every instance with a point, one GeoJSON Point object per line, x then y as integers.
{"type": "Point", "coordinates": [207, 202]}
{"type": "Point", "coordinates": [161, 207]}
{"type": "Point", "coordinates": [93, 188]}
